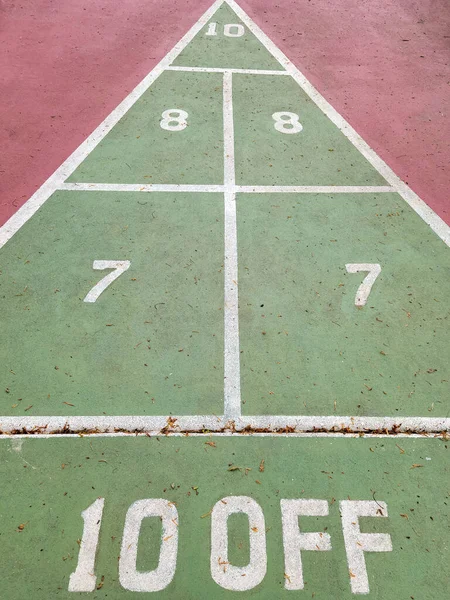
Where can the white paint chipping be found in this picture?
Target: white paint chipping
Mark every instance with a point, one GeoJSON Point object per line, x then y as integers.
{"type": "Point", "coordinates": [16, 445]}
{"type": "Point", "coordinates": [156, 580]}
{"type": "Point", "coordinates": [294, 541]}
{"type": "Point", "coordinates": [83, 579]}
{"type": "Point", "coordinates": [423, 210]}
{"type": "Point", "coordinates": [232, 383]}
{"type": "Point", "coordinates": [68, 167]}
{"type": "Point", "coordinates": [228, 576]}
{"type": "Point", "coordinates": [272, 424]}
{"type": "Point", "coordinates": [356, 543]}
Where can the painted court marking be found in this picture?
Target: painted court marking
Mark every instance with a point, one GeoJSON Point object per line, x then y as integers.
{"type": "Point", "coordinates": [232, 387]}
{"type": "Point", "coordinates": [232, 401]}
{"type": "Point", "coordinates": [240, 189]}
{"type": "Point", "coordinates": [269, 424]}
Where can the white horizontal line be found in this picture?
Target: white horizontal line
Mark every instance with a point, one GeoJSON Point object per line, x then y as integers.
{"type": "Point", "coordinates": [345, 423]}
{"type": "Point", "coordinates": [270, 424]}
{"type": "Point", "coordinates": [241, 189]}
{"type": "Point", "coordinates": [103, 424]}
{"type": "Point", "coordinates": [207, 434]}
{"type": "Point", "coordinates": [314, 189]}
{"type": "Point", "coordinates": [221, 70]}
{"type": "Point", "coordinates": [137, 187]}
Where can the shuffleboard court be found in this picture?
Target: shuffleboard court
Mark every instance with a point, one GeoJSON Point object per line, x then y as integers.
{"type": "Point", "coordinates": [225, 341]}
{"type": "Point", "coordinates": [225, 165]}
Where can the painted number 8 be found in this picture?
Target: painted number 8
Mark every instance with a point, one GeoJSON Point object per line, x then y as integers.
{"type": "Point", "coordinates": [174, 119]}
{"type": "Point", "coordinates": [287, 122]}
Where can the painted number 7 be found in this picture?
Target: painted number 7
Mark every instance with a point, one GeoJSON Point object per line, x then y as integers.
{"type": "Point", "coordinates": [372, 270]}
{"type": "Point", "coordinates": [119, 266]}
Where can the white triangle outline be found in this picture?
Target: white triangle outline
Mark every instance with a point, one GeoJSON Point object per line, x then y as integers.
{"type": "Point", "coordinates": [56, 181]}
{"type": "Point", "coordinates": [236, 422]}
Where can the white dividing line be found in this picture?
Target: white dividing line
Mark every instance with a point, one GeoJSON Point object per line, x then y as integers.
{"type": "Point", "coordinates": [232, 380]}
{"type": "Point", "coordinates": [228, 131]}
{"type": "Point", "coordinates": [263, 424]}
{"type": "Point", "coordinates": [136, 187]}
{"type": "Point", "coordinates": [210, 434]}
{"type": "Point", "coordinates": [241, 189]}
{"type": "Point", "coordinates": [313, 189]}
{"type": "Point", "coordinates": [347, 423]}
{"type": "Point", "coordinates": [115, 424]}
{"type": "Point", "coordinates": [423, 210]}
{"type": "Point", "coordinates": [220, 70]}
{"type": "Point", "coordinates": [68, 167]}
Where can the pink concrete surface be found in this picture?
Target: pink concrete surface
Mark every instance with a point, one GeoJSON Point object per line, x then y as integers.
{"type": "Point", "coordinates": [383, 64]}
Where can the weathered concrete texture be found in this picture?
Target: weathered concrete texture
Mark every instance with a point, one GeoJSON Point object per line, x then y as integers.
{"type": "Point", "coordinates": [56, 479]}
{"type": "Point", "coordinates": [383, 65]}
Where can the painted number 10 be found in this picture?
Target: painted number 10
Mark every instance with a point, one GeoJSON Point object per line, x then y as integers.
{"type": "Point", "coordinates": [229, 30]}
{"type": "Point", "coordinates": [83, 579]}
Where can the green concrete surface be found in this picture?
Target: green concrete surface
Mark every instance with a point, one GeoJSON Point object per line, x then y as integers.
{"type": "Point", "coordinates": [306, 348]}
{"type": "Point", "coordinates": [153, 341]}
{"type": "Point", "coordinates": [244, 52]}
{"type": "Point", "coordinates": [318, 155]}
{"type": "Point", "coordinates": [139, 150]}
{"type": "Point", "coordinates": [54, 480]}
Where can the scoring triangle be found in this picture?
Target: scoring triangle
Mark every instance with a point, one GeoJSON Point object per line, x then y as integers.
{"type": "Point", "coordinates": [226, 42]}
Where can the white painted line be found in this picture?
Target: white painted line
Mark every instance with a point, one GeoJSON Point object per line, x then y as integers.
{"type": "Point", "coordinates": [423, 210]}
{"type": "Point", "coordinates": [213, 434]}
{"type": "Point", "coordinates": [115, 424]}
{"type": "Point", "coordinates": [347, 423]}
{"type": "Point", "coordinates": [246, 425]}
{"type": "Point", "coordinates": [313, 189]}
{"type": "Point", "coordinates": [68, 167]}
{"type": "Point", "coordinates": [220, 70]}
{"type": "Point", "coordinates": [232, 380]}
{"type": "Point", "coordinates": [228, 130]}
{"type": "Point", "coordinates": [241, 189]}
{"type": "Point", "coordinates": [137, 187]}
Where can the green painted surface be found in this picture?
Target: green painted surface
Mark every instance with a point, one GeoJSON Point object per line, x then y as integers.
{"type": "Point", "coordinates": [318, 155]}
{"type": "Point", "coordinates": [153, 341]}
{"type": "Point", "coordinates": [153, 344]}
{"type": "Point", "coordinates": [244, 52]}
{"type": "Point", "coordinates": [139, 150]}
{"type": "Point", "coordinates": [306, 348]}
{"type": "Point", "coordinates": [52, 481]}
